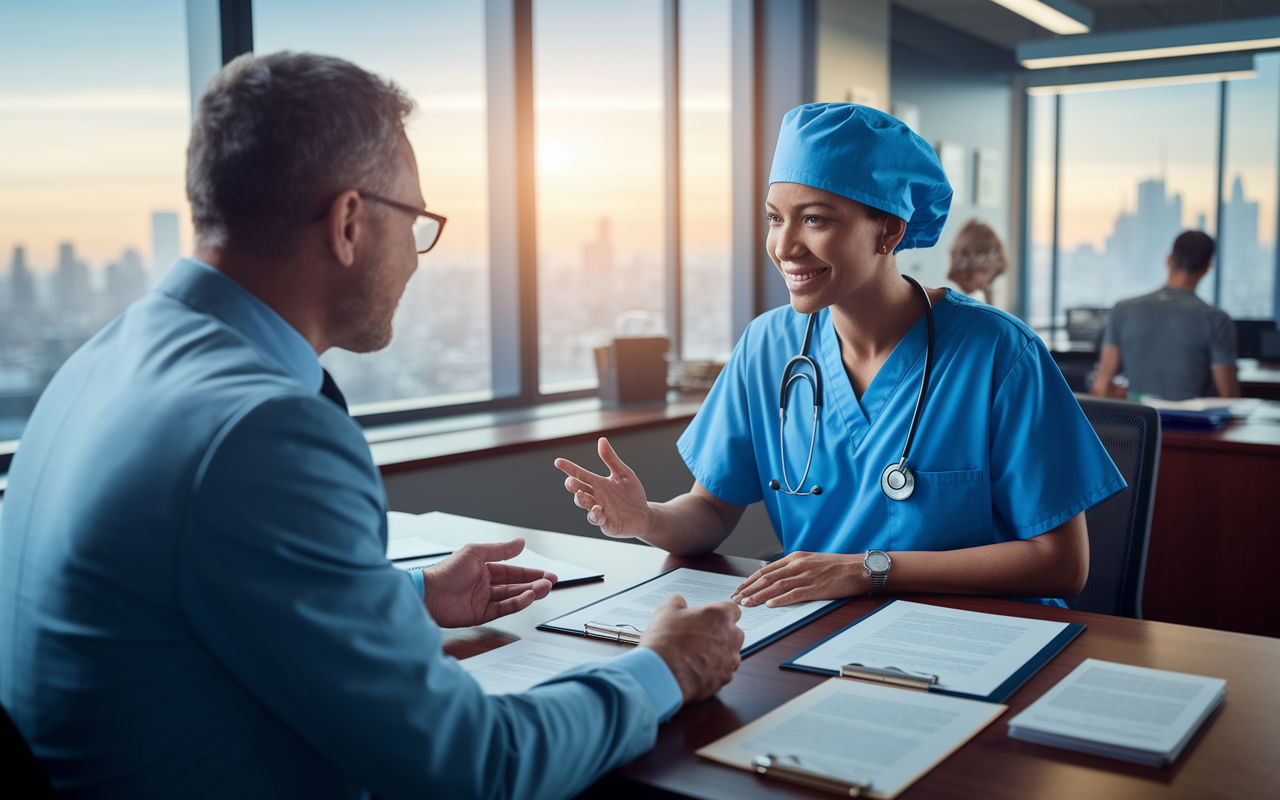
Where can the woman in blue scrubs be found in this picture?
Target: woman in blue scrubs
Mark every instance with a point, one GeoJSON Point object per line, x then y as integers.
{"type": "Point", "coordinates": [1002, 465]}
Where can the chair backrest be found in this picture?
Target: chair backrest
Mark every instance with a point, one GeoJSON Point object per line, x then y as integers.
{"type": "Point", "coordinates": [22, 777]}
{"type": "Point", "coordinates": [1120, 526]}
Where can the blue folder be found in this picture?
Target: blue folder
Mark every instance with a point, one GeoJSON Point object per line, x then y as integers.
{"type": "Point", "coordinates": [746, 651]}
{"type": "Point", "coordinates": [1002, 692]}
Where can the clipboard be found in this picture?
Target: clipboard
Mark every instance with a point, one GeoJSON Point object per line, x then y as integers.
{"type": "Point", "coordinates": [999, 695]}
{"type": "Point", "coordinates": [627, 634]}
{"type": "Point", "coordinates": [742, 749]}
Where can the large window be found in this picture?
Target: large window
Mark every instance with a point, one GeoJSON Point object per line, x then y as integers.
{"type": "Point", "coordinates": [435, 49]}
{"type": "Point", "coordinates": [705, 183]}
{"type": "Point", "coordinates": [1248, 259]}
{"type": "Point", "coordinates": [1134, 168]}
{"type": "Point", "coordinates": [95, 113]}
{"type": "Point", "coordinates": [598, 105]}
{"type": "Point", "coordinates": [94, 118]}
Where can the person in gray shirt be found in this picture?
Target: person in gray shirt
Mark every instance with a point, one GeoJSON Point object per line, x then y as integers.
{"type": "Point", "coordinates": [1170, 343]}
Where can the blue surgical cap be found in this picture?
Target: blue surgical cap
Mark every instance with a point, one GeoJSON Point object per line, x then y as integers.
{"type": "Point", "coordinates": [865, 155]}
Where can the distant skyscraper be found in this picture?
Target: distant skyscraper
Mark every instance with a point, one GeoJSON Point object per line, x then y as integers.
{"type": "Point", "coordinates": [1142, 239]}
{"type": "Point", "coordinates": [22, 286]}
{"type": "Point", "coordinates": [598, 279]}
{"type": "Point", "coordinates": [126, 281]}
{"type": "Point", "coordinates": [165, 247]}
{"type": "Point", "coordinates": [72, 280]}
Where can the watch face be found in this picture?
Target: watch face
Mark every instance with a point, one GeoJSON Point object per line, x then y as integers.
{"type": "Point", "coordinates": [876, 561]}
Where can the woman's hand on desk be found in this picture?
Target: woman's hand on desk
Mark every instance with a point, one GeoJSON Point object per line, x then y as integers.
{"type": "Point", "coordinates": [617, 503]}
{"type": "Point", "coordinates": [468, 588]}
{"type": "Point", "coordinates": [801, 577]}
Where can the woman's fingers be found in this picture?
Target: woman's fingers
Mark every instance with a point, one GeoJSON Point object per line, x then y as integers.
{"type": "Point", "coordinates": [582, 499]}
{"type": "Point", "coordinates": [574, 485]}
{"type": "Point", "coordinates": [574, 471]}
{"type": "Point", "coordinates": [611, 460]}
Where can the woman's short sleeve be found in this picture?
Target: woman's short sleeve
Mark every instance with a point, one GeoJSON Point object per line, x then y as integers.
{"type": "Point", "coordinates": [1047, 463]}
{"type": "Point", "coordinates": [718, 445]}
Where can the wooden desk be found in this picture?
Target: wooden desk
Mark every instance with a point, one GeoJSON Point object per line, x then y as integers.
{"type": "Point", "coordinates": [1258, 378]}
{"type": "Point", "coordinates": [1214, 545]}
{"type": "Point", "coordinates": [1232, 756]}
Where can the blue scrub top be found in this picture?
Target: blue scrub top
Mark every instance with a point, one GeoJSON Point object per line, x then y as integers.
{"type": "Point", "coordinates": [1003, 450]}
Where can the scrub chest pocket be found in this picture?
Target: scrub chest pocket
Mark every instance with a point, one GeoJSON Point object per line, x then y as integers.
{"type": "Point", "coordinates": [946, 510]}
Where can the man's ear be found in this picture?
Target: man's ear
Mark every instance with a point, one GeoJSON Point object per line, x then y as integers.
{"type": "Point", "coordinates": [348, 217]}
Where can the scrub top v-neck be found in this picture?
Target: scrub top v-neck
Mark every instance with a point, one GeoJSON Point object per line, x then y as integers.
{"type": "Point", "coordinates": [1003, 450]}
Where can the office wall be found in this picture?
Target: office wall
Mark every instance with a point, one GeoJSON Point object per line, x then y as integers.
{"type": "Point", "coordinates": [853, 53]}
{"type": "Point", "coordinates": [525, 489]}
{"type": "Point", "coordinates": [972, 109]}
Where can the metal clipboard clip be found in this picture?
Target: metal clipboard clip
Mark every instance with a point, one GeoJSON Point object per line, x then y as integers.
{"type": "Point", "coordinates": [889, 675]}
{"type": "Point", "coordinates": [789, 768]}
{"type": "Point", "coordinates": [613, 633]}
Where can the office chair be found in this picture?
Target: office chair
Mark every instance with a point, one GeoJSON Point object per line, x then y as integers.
{"type": "Point", "coordinates": [22, 777]}
{"type": "Point", "coordinates": [1120, 526]}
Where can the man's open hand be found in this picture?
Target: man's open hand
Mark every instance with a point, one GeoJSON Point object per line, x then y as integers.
{"type": "Point", "coordinates": [468, 588]}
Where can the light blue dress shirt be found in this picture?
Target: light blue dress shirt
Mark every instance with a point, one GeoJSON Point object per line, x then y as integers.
{"type": "Point", "coordinates": [1003, 450]}
{"type": "Point", "coordinates": [195, 599]}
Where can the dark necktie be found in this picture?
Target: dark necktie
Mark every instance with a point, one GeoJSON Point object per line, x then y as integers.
{"type": "Point", "coordinates": [330, 390]}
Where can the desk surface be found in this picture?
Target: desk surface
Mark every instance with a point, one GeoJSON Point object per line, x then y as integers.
{"type": "Point", "coordinates": [1233, 755]}
{"type": "Point", "coordinates": [1258, 433]}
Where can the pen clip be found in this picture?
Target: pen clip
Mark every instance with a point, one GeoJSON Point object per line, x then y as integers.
{"type": "Point", "coordinates": [613, 633]}
{"type": "Point", "coordinates": [890, 675]}
{"type": "Point", "coordinates": [771, 767]}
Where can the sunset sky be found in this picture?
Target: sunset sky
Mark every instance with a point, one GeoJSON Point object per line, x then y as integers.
{"type": "Point", "coordinates": [94, 116]}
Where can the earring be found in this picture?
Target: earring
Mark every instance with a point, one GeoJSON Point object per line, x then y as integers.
{"type": "Point", "coordinates": [884, 248]}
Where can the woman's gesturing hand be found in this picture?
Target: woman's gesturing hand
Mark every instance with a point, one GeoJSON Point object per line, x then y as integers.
{"type": "Point", "coordinates": [617, 503]}
{"type": "Point", "coordinates": [804, 576]}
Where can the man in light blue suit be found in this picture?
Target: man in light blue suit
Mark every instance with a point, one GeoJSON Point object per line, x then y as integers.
{"type": "Point", "coordinates": [194, 594]}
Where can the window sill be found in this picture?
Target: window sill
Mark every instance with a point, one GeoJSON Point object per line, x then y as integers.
{"type": "Point", "coordinates": [432, 443]}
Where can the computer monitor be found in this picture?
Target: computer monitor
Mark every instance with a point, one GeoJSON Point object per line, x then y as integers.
{"type": "Point", "coordinates": [1248, 332]}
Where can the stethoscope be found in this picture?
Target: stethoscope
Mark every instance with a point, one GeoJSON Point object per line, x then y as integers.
{"type": "Point", "coordinates": [896, 481]}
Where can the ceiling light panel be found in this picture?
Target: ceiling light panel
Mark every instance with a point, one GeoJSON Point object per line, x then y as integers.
{"type": "Point", "coordinates": [1260, 33]}
{"type": "Point", "coordinates": [1059, 16]}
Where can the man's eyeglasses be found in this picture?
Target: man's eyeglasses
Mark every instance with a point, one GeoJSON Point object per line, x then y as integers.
{"type": "Point", "coordinates": [426, 226]}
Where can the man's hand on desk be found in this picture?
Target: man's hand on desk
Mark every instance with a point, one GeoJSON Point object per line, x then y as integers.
{"type": "Point", "coordinates": [700, 645]}
{"type": "Point", "coordinates": [468, 588]}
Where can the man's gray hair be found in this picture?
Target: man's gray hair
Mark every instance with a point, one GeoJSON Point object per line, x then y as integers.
{"type": "Point", "coordinates": [279, 136]}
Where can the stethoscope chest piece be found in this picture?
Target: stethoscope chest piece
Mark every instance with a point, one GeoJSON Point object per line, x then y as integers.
{"type": "Point", "coordinates": [897, 482]}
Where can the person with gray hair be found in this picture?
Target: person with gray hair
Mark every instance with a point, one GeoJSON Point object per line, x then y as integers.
{"type": "Point", "coordinates": [195, 598]}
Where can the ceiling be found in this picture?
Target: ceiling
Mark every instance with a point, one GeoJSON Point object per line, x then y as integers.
{"type": "Point", "coordinates": [997, 25]}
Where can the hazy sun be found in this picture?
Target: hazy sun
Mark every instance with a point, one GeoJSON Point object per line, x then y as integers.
{"type": "Point", "coordinates": [554, 156]}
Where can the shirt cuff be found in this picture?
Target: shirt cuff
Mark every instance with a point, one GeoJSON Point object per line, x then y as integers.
{"type": "Point", "coordinates": [654, 676]}
{"type": "Point", "coordinates": [419, 585]}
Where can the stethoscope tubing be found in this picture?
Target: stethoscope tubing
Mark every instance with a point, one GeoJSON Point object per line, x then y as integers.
{"type": "Point", "coordinates": [900, 471]}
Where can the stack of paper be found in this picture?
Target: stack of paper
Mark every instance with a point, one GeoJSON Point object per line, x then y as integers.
{"type": "Point", "coordinates": [1136, 714]}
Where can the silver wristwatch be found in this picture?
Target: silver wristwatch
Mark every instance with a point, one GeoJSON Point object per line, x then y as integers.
{"type": "Point", "coordinates": [877, 563]}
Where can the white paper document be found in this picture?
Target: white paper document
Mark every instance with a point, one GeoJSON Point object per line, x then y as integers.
{"type": "Point", "coordinates": [411, 547]}
{"type": "Point", "coordinates": [565, 572]}
{"type": "Point", "coordinates": [415, 547]}
{"type": "Point", "coordinates": [1132, 713]}
{"type": "Point", "coordinates": [521, 665]}
{"type": "Point", "coordinates": [971, 653]}
{"type": "Point", "coordinates": [406, 539]}
{"type": "Point", "coordinates": [635, 606]}
{"type": "Point", "coordinates": [877, 736]}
